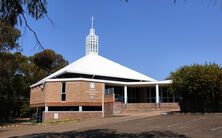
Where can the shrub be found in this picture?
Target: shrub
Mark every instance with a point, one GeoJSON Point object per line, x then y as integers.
{"type": "Point", "coordinates": [200, 87]}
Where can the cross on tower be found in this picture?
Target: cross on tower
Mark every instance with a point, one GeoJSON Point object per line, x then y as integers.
{"type": "Point", "coordinates": [92, 18]}
{"type": "Point", "coordinates": [92, 40]}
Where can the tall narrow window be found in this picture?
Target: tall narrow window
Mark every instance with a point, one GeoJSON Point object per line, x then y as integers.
{"type": "Point", "coordinates": [63, 93]}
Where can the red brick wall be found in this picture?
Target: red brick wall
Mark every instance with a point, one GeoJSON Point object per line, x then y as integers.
{"type": "Point", "coordinates": [151, 106]}
{"type": "Point", "coordinates": [117, 107]}
{"type": "Point", "coordinates": [67, 115]}
{"type": "Point", "coordinates": [109, 98]}
{"type": "Point", "coordinates": [77, 94]}
{"type": "Point", "coordinates": [170, 105]}
{"type": "Point", "coordinates": [37, 96]}
{"type": "Point", "coordinates": [108, 109]}
{"type": "Point", "coordinates": [53, 91]}
{"type": "Point", "coordinates": [81, 92]}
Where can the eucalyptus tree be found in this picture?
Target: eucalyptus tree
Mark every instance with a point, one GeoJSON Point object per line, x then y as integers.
{"type": "Point", "coordinates": [15, 12]}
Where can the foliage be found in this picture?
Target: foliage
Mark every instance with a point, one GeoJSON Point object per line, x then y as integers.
{"type": "Point", "coordinates": [9, 75]}
{"type": "Point", "coordinates": [200, 87]}
{"type": "Point", "coordinates": [25, 109]}
{"type": "Point", "coordinates": [12, 13]}
{"type": "Point", "coordinates": [49, 61]}
{"type": "Point", "coordinates": [8, 37]}
{"type": "Point", "coordinates": [17, 73]}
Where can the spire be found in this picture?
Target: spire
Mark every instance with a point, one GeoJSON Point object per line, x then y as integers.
{"type": "Point", "coordinates": [92, 30]}
{"type": "Point", "coordinates": [92, 40]}
{"type": "Point", "coordinates": [92, 22]}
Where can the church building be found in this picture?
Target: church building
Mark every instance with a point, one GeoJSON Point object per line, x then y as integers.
{"type": "Point", "coordinates": [94, 86]}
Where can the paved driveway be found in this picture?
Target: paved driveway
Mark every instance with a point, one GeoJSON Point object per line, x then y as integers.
{"type": "Point", "coordinates": [135, 125]}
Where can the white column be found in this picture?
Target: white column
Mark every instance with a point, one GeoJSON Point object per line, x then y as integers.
{"type": "Point", "coordinates": [157, 94]}
{"type": "Point", "coordinates": [125, 95]}
{"type": "Point", "coordinates": [103, 94]}
{"type": "Point", "coordinates": [46, 108]}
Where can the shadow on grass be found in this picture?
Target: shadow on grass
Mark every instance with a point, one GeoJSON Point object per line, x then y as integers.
{"type": "Point", "coordinates": [97, 133]}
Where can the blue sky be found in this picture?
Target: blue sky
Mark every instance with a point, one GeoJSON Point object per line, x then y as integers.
{"type": "Point", "coordinates": [154, 37]}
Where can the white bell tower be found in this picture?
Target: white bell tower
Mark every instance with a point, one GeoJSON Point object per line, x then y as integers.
{"type": "Point", "coordinates": [92, 41]}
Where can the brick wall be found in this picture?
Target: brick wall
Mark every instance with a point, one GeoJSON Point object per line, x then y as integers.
{"type": "Point", "coordinates": [170, 105]}
{"type": "Point", "coordinates": [77, 94]}
{"type": "Point", "coordinates": [117, 107]}
{"type": "Point", "coordinates": [81, 92]}
{"type": "Point", "coordinates": [69, 115]}
{"type": "Point", "coordinates": [108, 109]}
{"type": "Point", "coordinates": [141, 107]}
{"type": "Point", "coordinates": [52, 91]}
{"type": "Point", "coordinates": [109, 98]}
{"type": "Point", "coordinates": [37, 96]}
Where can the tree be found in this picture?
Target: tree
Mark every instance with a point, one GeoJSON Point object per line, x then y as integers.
{"type": "Point", "coordinates": [12, 13]}
{"type": "Point", "coordinates": [200, 87]}
{"type": "Point", "coordinates": [49, 61]}
{"type": "Point", "coordinates": [17, 73]}
{"type": "Point", "coordinates": [8, 37]}
{"type": "Point", "coordinates": [11, 82]}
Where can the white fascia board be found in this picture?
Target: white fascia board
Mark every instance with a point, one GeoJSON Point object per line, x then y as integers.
{"type": "Point", "coordinates": [152, 82]}
{"type": "Point", "coordinates": [164, 82]}
{"type": "Point", "coordinates": [114, 82]}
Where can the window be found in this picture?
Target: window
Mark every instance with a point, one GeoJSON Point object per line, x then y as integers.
{"type": "Point", "coordinates": [63, 87]}
{"type": "Point", "coordinates": [63, 91]}
{"type": "Point", "coordinates": [63, 97]}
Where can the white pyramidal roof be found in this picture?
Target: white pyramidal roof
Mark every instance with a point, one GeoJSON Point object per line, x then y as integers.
{"type": "Point", "coordinates": [94, 64]}
{"type": "Point", "coordinates": [99, 66]}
